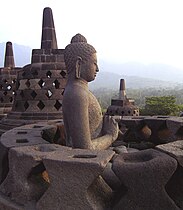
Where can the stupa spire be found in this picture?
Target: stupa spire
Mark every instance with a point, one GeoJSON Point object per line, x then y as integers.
{"type": "Point", "coordinates": [9, 58]}
{"type": "Point", "coordinates": [122, 92]}
{"type": "Point", "coordinates": [48, 40]}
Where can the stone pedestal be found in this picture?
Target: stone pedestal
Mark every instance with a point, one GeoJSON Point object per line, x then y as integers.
{"type": "Point", "coordinates": [75, 181]}
{"type": "Point", "coordinates": [145, 175]}
{"type": "Point", "coordinates": [25, 181]}
{"type": "Point", "coordinates": [25, 136]}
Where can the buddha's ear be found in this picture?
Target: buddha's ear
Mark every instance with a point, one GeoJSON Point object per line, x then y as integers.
{"type": "Point", "coordinates": [78, 65]}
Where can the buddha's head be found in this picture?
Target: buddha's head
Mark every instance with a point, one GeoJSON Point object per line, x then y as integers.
{"type": "Point", "coordinates": [80, 59]}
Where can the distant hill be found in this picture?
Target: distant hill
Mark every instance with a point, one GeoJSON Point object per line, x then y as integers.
{"type": "Point", "coordinates": [111, 81]}
{"type": "Point", "coordinates": [22, 54]}
{"type": "Point", "coordinates": [153, 71]}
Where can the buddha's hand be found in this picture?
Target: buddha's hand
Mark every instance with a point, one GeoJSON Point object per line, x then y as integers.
{"type": "Point", "coordinates": [110, 127]}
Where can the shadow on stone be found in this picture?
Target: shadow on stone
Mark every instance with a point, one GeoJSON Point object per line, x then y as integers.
{"type": "Point", "coordinates": [174, 187]}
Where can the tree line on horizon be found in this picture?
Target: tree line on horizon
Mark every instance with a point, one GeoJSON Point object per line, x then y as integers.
{"type": "Point", "coordinates": [151, 101]}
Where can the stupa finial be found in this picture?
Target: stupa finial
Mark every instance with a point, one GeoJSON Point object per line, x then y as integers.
{"type": "Point", "coordinates": [9, 58]}
{"type": "Point", "coordinates": [48, 40]}
{"type": "Point", "coordinates": [122, 92]}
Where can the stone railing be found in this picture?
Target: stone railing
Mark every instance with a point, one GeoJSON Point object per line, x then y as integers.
{"type": "Point", "coordinates": [156, 129]}
{"type": "Point", "coordinates": [37, 174]}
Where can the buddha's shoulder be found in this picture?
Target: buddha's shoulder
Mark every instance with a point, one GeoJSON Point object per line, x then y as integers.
{"type": "Point", "coordinates": [76, 91]}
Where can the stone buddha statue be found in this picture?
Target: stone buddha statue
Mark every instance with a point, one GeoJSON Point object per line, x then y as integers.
{"type": "Point", "coordinates": [84, 124]}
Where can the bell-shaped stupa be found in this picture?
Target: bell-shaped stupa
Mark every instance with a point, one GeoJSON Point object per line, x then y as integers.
{"type": "Point", "coordinates": [8, 76]}
{"type": "Point", "coordinates": [123, 106]}
{"type": "Point", "coordinates": [40, 85]}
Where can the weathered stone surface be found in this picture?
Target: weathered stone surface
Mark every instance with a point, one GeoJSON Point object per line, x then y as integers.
{"type": "Point", "coordinates": [9, 58]}
{"type": "Point", "coordinates": [175, 124]}
{"type": "Point", "coordinates": [132, 150]}
{"type": "Point", "coordinates": [175, 149]}
{"type": "Point", "coordinates": [111, 179]}
{"type": "Point", "coordinates": [142, 145]}
{"type": "Point", "coordinates": [174, 187]}
{"type": "Point", "coordinates": [39, 94]}
{"type": "Point", "coordinates": [75, 180]}
{"type": "Point", "coordinates": [25, 181]}
{"type": "Point", "coordinates": [7, 204]}
{"type": "Point", "coordinates": [18, 137]}
{"type": "Point", "coordinates": [48, 40]}
{"type": "Point", "coordinates": [49, 132]}
{"type": "Point", "coordinates": [133, 121]}
{"type": "Point", "coordinates": [157, 125]}
{"type": "Point", "coordinates": [60, 136]}
{"type": "Point", "coordinates": [134, 126]}
{"type": "Point", "coordinates": [155, 129]}
{"type": "Point", "coordinates": [145, 175]}
{"type": "Point", "coordinates": [120, 149]}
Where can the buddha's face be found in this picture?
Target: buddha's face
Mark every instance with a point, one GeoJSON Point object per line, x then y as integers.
{"type": "Point", "coordinates": [89, 68]}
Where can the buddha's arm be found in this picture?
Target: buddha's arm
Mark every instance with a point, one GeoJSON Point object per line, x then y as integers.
{"type": "Point", "coordinates": [76, 110]}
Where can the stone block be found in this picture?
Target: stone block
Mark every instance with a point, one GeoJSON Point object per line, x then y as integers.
{"type": "Point", "coordinates": [75, 180]}
{"type": "Point", "coordinates": [174, 149]}
{"type": "Point", "coordinates": [7, 204]}
{"type": "Point", "coordinates": [134, 126]}
{"type": "Point", "coordinates": [175, 124]}
{"type": "Point", "coordinates": [159, 131]}
{"type": "Point", "coordinates": [27, 179]}
{"type": "Point", "coordinates": [18, 137]}
{"type": "Point", "coordinates": [144, 174]}
{"type": "Point", "coordinates": [174, 187]}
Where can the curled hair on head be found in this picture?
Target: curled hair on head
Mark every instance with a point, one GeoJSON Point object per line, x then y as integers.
{"type": "Point", "coordinates": [77, 48]}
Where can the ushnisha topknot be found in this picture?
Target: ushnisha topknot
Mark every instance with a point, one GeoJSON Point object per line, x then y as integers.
{"type": "Point", "coordinates": [78, 38]}
{"type": "Point", "coordinates": [77, 48]}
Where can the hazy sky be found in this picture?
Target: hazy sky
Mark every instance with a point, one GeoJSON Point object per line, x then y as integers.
{"type": "Point", "coordinates": [147, 31]}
